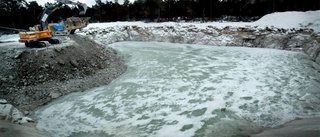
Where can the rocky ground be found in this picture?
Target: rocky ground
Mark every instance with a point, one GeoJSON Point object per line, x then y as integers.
{"type": "Point", "coordinates": [32, 77]}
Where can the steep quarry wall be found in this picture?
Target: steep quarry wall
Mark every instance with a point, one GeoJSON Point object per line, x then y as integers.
{"type": "Point", "coordinates": [286, 39]}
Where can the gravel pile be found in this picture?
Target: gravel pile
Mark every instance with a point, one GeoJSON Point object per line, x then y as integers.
{"type": "Point", "coordinates": [32, 77]}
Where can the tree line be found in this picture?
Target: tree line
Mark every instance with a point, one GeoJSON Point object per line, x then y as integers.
{"type": "Point", "coordinates": [21, 14]}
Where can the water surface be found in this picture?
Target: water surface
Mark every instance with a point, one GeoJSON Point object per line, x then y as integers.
{"type": "Point", "coordinates": [190, 90]}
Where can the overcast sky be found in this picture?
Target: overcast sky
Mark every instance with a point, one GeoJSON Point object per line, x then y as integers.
{"type": "Point", "coordinates": [88, 2]}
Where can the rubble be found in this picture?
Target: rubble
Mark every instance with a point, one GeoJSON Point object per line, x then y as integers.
{"type": "Point", "coordinates": [10, 113]}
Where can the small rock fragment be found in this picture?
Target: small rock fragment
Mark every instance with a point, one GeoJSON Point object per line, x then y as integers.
{"type": "Point", "coordinates": [3, 101]}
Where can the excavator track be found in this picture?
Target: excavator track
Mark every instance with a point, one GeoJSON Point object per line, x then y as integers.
{"type": "Point", "coordinates": [43, 43]}
{"type": "Point", "coordinates": [55, 40]}
{"type": "Point", "coordinates": [37, 44]}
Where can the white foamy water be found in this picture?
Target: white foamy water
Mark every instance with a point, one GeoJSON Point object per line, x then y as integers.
{"type": "Point", "coordinates": [185, 90]}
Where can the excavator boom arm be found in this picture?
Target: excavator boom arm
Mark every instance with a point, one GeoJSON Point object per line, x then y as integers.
{"type": "Point", "coordinates": [51, 8]}
{"type": "Point", "coordinates": [83, 7]}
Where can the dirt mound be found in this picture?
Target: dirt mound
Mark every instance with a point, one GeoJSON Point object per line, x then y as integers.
{"type": "Point", "coordinates": [38, 66]}
{"type": "Point", "coordinates": [32, 77]}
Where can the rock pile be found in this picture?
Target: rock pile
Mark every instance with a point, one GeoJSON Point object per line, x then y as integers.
{"type": "Point", "coordinates": [9, 113]}
{"type": "Point", "coordinates": [33, 77]}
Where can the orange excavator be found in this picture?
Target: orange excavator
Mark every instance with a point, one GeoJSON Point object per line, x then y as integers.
{"type": "Point", "coordinates": [44, 34]}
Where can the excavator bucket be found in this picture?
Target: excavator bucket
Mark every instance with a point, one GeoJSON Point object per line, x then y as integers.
{"type": "Point", "coordinates": [82, 8]}
{"type": "Point", "coordinates": [74, 23]}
